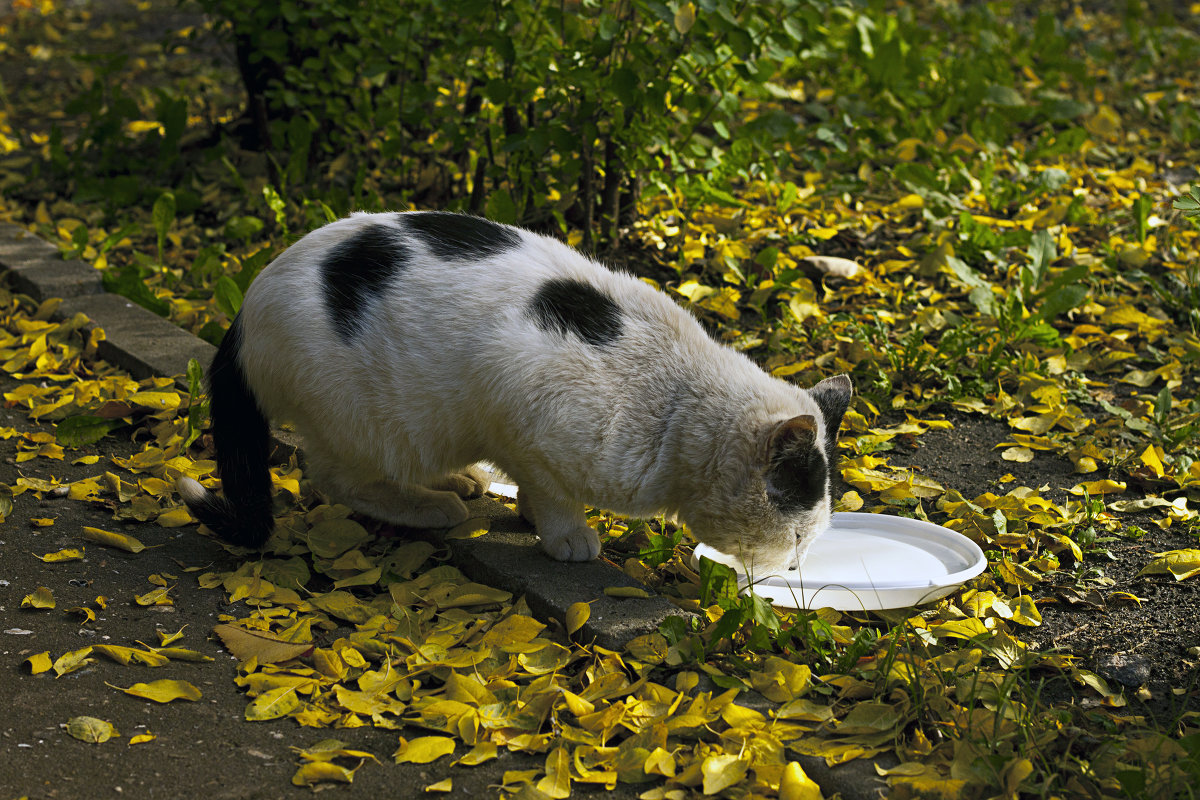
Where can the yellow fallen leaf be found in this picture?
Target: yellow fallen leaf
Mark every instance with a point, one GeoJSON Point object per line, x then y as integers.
{"type": "Point", "coordinates": [131, 655]}
{"type": "Point", "coordinates": [1151, 459]}
{"type": "Point", "coordinates": [332, 537]}
{"type": "Point", "coordinates": [42, 522]}
{"type": "Point", "coordinates": [1180, 564]}
{"type": "Point", "coordinates": [651, 648]}
{"type": "Point", "coordinates": [423, 749]}
{"type": "Point", "coordinates": [577, 615]}
{"type": "Point", "coordinates": [1018, 454]}
{"type": "Point", "coordinates": [265, 647]}
{"type": "Point", "coordinates": [142, 738]}
{"type": "Point", "coordinates": [273, 704]}
{"type": "Point", "coordinates": [781, 680]}
{"type": "Point", "coordinates": [484, 751]}
{"type": "Point", "coordinates": [722, 771]}
{"type": "Point", "coordinates": [851, 501]}
{"type": "Point", "coordinates": [175, 517]}
{"type": "Point", "coordinates": [66, 554]}
{"type": "Point", "coordinates": [91, 729]}
{"type": "Point", "coordinates": [660, 762]}
{"type": "Point", "coordinates": [474, 594]}
{"type": "Point", "coordinates": [42, 598]}
{"type": "Point", "coordinates": [805, 710]}
{"type": "Point", "coordinates": [182, 654]}
{"type": "Point", "coordinates": [557, 782]}
{"type": "Point", "coordinates": [120, 541]}
{"type": "Point", "coordinates": [444, 785]}
{"type": "Point", "coordinates": [39, 663]}
{"type": "Point", "coordinates": [155, 597]}
{"type": "Point", "coordinates": [69, 662]}
{"type": "Point", "coordinates": [315, 772]}
{"type": "Point", "coordinates": [1025, 611]}
{"type": "Point", "coordinates": [165, 638]}
{"type": "Point", "coordinates": [329, 749]}
{"type": "Point", "coordinates": [471, 529]}
{"type": "Point", "coordinates": [796, 785]}
{"type": "Point", "coordinates": [625, 591]}
{"type": "Point", "coordinates": [162, 691]}
{"type": "Point", "coordinates": [1105, 486]}
{"type": "Point", "coordinates": [156, 400]}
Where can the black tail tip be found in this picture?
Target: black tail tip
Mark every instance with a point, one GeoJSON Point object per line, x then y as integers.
{"type": "Point", "coordinates": [244, 527]}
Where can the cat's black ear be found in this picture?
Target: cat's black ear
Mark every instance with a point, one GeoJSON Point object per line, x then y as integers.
{"type": "Point", "coordinates": [790, 438]}
{"type": "Point", "coordinates": [833, 398]}
{"type": "Point", "coordinates": [796, 475]}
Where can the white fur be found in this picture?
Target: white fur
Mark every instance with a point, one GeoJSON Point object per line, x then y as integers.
{"type": "Point", "coordinates": [450, 370]}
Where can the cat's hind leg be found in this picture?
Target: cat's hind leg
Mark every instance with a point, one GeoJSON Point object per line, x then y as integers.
{"type": "Point", "coordinates": [369, 492]}
{"type": "Point", "coordinates": [410, 506]}
{"type": "Point", "coordinates": [467, 483]}
{"type": "Point", "coordinates": [560, 524]}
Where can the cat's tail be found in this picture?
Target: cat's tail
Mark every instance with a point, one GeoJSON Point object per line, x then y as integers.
{"type": "Point", "coordinates": [243, 440]}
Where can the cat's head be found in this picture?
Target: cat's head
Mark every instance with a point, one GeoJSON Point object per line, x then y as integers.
{"type": "Point", "coordinates": [777, 499]}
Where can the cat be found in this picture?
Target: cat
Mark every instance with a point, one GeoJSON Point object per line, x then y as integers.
{"type": "Point", "coordinates": [406, 347]}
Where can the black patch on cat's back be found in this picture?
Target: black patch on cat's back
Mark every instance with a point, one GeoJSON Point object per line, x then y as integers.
{"type": "Point", "coordinates": [460, 236]}
{"type": "Point", "coordinates": [798, 481]}
{"type": "Point", "coordinates": [569, 306]}
{"type": "Point", "coordinates": [356, 271]}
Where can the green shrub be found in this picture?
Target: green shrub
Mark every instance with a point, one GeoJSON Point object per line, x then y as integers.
{"type": "Point", "coordinates": [532, 111]}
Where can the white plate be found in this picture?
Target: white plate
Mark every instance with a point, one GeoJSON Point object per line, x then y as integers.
{"type": "Point", "coordinates": [867, 562]}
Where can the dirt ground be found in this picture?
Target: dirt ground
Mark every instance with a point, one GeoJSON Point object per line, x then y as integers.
{"type": "Point", "coordinates": [1155, 644]}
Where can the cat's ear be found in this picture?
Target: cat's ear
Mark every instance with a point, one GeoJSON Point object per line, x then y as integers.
{"type": "Point", "coordinates": [790, 438]}
{"type": "Point", "coordinates": [833, 398]}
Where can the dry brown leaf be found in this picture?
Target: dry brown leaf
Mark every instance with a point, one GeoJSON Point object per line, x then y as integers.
{"type": "Point", "coordinates": [264, 647]}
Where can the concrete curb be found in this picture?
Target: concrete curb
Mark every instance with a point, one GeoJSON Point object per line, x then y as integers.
{"type": "Point", "coordinates": [507, 557]}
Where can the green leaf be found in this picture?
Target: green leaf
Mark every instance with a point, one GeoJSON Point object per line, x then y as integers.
{"type": "Point", "coordinates": [1162, 405]}
{"type": "Point", "coordinates": [195, 376]}
{"type": "Point", "coordinates": [1062, 300]}
{"type": "Point", "coordinates": [763, 613]}
{"type": "Point", "coordinates": [84, 430]}
{"type": "Point", "coordinates": [1042, 252]}
{"type": "Point", "coordinates": [163, 215]}
{"type": "Point", "coordinates": [716, 581]}
{"type": "Point", "coordinates": [128, 283]}
{"type": "Point", "coordinates": [1005, 96]}
{"type": "Point", "coordinates": [228, 296]}
{"type": "Point", "coordinates": [1189, 204]}
{"type": "Point", "coordinates": [626, 86]}
{"type": "Point", "coordinates": [501, 208]}
{"type": "Point", "coordinates": [243, 227]}
{"type": "Point", "coordinates": [277, 206]}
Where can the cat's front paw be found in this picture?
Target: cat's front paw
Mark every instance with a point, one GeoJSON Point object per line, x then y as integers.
{"type": "Point", "coordinates": [577, 544]}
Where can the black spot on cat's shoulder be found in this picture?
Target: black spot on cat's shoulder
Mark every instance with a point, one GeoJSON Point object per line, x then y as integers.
{"type": "Point", "coordinates": [797, 481]}
{"type": "Point", "coordinates": [355, 272]}
{"type": "Point", "coordinates": [460, 236]}
{"type": "Point", "coordinates": [569, 306]}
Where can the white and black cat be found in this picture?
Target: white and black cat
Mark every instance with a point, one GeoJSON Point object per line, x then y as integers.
{"type": "Point", "coordinates": [406, 347]}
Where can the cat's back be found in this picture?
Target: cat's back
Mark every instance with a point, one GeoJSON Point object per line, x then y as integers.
{"type": "Point", "coordinates": [373, 275]}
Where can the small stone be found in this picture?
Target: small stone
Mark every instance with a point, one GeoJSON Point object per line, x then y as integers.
{"type": "Point", "coordinates": [1193, 651]}
{"type": "Point", "coordinates": [1126, 669]}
